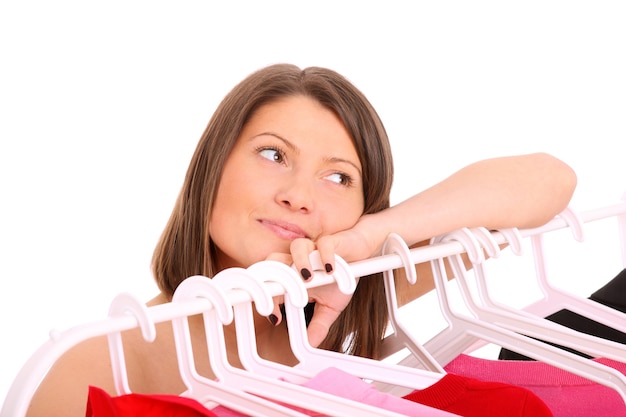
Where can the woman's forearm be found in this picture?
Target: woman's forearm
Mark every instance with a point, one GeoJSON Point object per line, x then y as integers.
{"type": "Point", "coordinates": [517, 191]}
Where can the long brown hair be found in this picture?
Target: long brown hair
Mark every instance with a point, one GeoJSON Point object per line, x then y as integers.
{"type": "Point", "coordinates": [186, 248]}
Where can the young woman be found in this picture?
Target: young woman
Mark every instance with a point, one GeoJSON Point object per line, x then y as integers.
{"type": "Point", "coordinates": [294, 161]}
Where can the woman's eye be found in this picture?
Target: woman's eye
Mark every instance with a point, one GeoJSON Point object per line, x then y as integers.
{"type": "Point", "coordinates": [339, 178]}
{"type": "Point", "coordinates": [272, 154]}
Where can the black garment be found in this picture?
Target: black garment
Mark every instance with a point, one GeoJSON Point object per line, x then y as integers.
{"type": "Point", "coordinates": [613, 295]}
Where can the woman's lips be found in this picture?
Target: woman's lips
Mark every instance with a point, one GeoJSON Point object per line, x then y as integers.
{"type": "Point", "coordinates": [284, 230]}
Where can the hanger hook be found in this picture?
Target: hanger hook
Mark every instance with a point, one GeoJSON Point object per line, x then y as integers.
{"type": "Point", "coordinates": [282, 274]}
{"type": "Point", "coordinates": [342, 274]}
{"type": "Point", "coordinates": [198, 286]}
{"type": "Point", "coordinates": [241, 279]}
{"type": "Point", "coordinates": [574, 222]}
{"type": "Point", "coordinates": [467, 239]}
{"type": "Point", "coordinates": [487, 241]}
{"type": "Point", "coordinates": [125, 303]}
{"type": "Point", "coordinates": [395, 244]}
{"type": "Point", "coordinates": [346, 281]}
{"type": "Point", "coordinates": [514, 238]}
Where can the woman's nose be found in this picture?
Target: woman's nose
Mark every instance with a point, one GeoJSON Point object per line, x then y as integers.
{"type": "Point", "coordinates": [296, 194]}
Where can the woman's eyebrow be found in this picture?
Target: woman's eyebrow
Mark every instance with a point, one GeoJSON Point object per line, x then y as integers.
{"type": "Point", "coordinates": [345, 161]}
{"type": "Point", "coordinates": [287, 143]}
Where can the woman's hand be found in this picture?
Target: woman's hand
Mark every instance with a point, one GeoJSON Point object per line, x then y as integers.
{"type": "Point", "coordinates": [329, 300]}
{"type": "Point", "coordinates": [329, 303]}
{"type": "Point", "coordinates": [351, 245]}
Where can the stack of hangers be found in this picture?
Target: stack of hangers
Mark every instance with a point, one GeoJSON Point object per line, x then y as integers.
{"type": "Point", "coordinates": [264, 388]}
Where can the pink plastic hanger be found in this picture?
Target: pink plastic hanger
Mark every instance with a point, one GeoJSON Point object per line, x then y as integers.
{"type": "Point", "coordinates": [401, 336]}
{"type": "Point", "coordinates": [518, 320]}
{"type": "Point", "coordinates": [276, 272]}
{"type": "Point", "coordinates": [555, 299]}
{"type": "Point", "coordinates": [314, 360]}
{"type": "Point", "coordinates": [261, 386]}
{"type": "Point", "coordinates": [204, 389]}
{"type": "Point", "coordinates": [463, 329]}
{"type": "Point", "coordinates": [268, 272]}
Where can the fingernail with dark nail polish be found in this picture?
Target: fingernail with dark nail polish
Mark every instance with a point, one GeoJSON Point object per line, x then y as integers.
{"type": "Point", "coordinates": [306, 274]}
{"type": "Point", "coordinates": [273, 319]}
{"type": "Point", "coordinates": [329, 268]}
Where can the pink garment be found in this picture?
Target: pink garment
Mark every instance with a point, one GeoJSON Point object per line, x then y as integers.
{"type": "Point", "coordinates": [566, 394]}
{"type": "Point", "coordinates": [339, 383]}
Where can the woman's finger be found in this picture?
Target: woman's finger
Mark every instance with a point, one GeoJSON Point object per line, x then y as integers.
{"type": "Point", "coordinates": [300, 250]}
{"type": "Point", "coordinates": [276, 316]}
{"type": "Point", "coordinates": [323, 318]}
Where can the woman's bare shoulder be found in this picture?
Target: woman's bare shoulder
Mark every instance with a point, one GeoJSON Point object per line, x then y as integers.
{"type": "Point", "coordinates": [151, 367]}
{"type": "Point", "coordinates": [63, 391]}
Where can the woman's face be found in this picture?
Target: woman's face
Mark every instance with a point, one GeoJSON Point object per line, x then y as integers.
{"type": "Point", "coordinates": [292, 173]}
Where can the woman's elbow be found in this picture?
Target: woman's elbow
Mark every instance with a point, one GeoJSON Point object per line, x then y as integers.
{"type": "Point", "coordinates": [560, 182]}
{"type": "Point", "coordinates": [565, 181]}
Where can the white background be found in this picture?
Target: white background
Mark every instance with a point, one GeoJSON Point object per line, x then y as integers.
{"type": "Point", "coordinates": [102, 103]}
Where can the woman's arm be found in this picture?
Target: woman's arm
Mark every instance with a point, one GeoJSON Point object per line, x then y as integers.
{"type": "Point", "coordinates": [517, 191]}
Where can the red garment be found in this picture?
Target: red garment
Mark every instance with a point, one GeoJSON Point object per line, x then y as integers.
{"type": "Point", "coordinates": [470, 397]}
{"type": "Point", "coordinates": [101, 404]}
